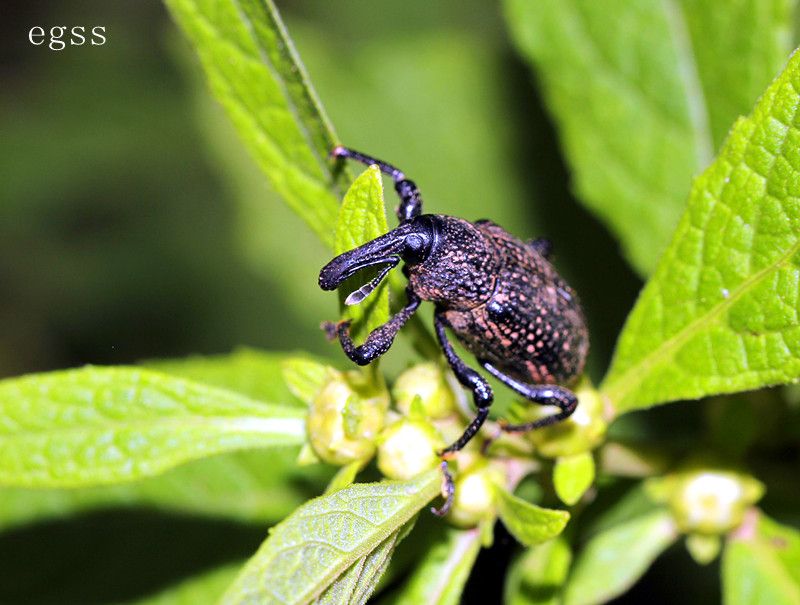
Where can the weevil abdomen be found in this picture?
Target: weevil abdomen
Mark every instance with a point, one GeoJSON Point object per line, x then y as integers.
{"type": "Point", "coordinates": [532, 327]}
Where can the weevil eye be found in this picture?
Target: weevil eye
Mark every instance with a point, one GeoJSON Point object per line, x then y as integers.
{"type": "Point", "coordinates": [417, 244]}
{"type": "Point", "coordinates": [413, 249]}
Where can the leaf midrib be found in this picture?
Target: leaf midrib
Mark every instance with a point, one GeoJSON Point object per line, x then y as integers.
{"type": "Point", "coordinates": [192, 421]}
{"type": "Point", "coordinates": [291, 103]}
{"type": "Point", "coordinates": [689, 75]}
{"type": "Point", "coordinates": [633, 377]}
{"type": "Point", "coordinates": [317, 179]}
{"type": "Point", "coordinates": [462, 547]}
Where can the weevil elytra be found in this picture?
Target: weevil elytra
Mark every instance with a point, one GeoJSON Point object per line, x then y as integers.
{"type": "Point", "coordinates": [499, 295]}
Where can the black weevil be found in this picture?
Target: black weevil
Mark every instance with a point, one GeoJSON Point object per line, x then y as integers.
{"type": "Point", "coordinates": [499, 295]}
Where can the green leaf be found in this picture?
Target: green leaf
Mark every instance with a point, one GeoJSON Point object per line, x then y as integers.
{"type": "Point", "coordinates": [537, 576]}
{"type": "Point", "coordinates": [254, 71]}
{"type": "Point", "coordinates": [528, 523]}
{"type": "Point", "coordinates": [255, 374]}
{"type": "Point", "coordinates": [319, 543]}
{"type": "Point", "coordinates": [358, 582]}
{"type": "Point", "coordinates": [737, 49]}
{"type": "Point", "coordinates": [96, 426]}
{"type": "Point", "coordinates": [720, 313]}
{"type": "Point", "coordinates": [362, 218]}
{"type": "Point", "coordinates": [459, 169]}
{"type": "Point", "coordinates": [643, 93]}
{"type": "Point", "coordinates": [442, 570]}
{"type": "Point", "coordinates": [631, 503]}
{"type": "Point", "coordinates": [632, 459]}
{"type": "Point", "coordinates": [204, 589]}
{"type": "Point", "coordinates": [572, 476]}
{"type": "Point", "coordinates": [613, 560]}
{"type": "Point", "coordinates": [761, 563]}
{"type": "Point", "coordinates": [305, 377]}
{"type": "Point", "coordinates": [261, 486]}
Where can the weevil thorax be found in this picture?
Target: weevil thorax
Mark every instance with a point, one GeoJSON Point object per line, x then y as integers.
{"type": "Point", "coordinates": [460, 270]}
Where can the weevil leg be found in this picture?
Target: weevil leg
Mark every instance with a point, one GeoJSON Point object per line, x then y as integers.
{"type": "Point", "coordinates": [542, 246]}
{"type": "Point", "coordinates": [481, 391]}
{"type": "Point", "coordinates": [410, 198]}
{"type": "Point", "coordinates": [380, 339]}
{"type": "Point", "coordinates": [482, 396]}
{"type": "Point", "coordinates": [448, 489]}
{"type": "Point", "coordinates": [548, 394]}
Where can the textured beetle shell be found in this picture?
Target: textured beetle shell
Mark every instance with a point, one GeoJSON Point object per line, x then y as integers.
{"type": "Point", "coordinates": [461, 271]}
{"type": "Point", "coordinates": [532, 325]}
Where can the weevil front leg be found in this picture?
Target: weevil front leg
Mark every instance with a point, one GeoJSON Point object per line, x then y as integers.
{"type": "Point", "coordinates": [380, 339]}
{"type": "Point", "coordinates": [410, 198]}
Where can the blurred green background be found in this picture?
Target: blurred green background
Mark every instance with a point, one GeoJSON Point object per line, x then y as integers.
{"type": "Point", "coordinates": [134, 225]}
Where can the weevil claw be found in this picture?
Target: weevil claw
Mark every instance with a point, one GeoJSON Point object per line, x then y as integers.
{"type": "Point", "coordinates": [448, 489]}
{"type": "Point", "coordinates": [331, 329]}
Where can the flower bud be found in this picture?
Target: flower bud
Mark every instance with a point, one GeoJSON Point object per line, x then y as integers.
{"type": "Point", "coordinates": [707, 501]}
{"type": "Point", "coordinates": [408, 448]}
{"type": "Point", "coordinates": [345, 418]}
{"type": "Point", "coordinates": [583, 431]}
{"type": "Point", "coordinates": [429, 382]}
{"type": "Point", "coordinates": [474, 499]}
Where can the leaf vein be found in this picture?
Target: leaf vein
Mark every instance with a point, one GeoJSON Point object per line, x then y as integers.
{"type": "Point", "coordinates": [629, 380]}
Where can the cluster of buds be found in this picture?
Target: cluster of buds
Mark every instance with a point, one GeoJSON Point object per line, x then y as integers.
{"type": "Point", "coordinates": [350, 419]}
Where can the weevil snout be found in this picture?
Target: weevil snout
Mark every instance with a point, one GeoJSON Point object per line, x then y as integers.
{"type": "Point", "coordinates": [411, 243]}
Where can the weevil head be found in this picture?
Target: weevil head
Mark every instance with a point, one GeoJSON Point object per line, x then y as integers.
{"type": "Point", "coordinates": [411, 243]}
{"type": "Point", "coordinates": [448, 260]}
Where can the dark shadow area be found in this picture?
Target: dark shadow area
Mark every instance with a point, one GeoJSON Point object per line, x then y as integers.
{"type": "Point", "coordinates": [113, 556]}
{"type": "Point", "coordinates": [487, 580]}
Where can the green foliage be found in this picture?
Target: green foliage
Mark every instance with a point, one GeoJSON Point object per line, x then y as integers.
{"type": "Point", "coordinates": [254, 72]}
{"type": "Point", "coordinates": [233, 487]}
{"type": "Point", "coordinates": [762, 563]}
{"type": "Point", "coordinates": [720, 313]}
{"type": "Point", "coordinates": [613, 560]}
{"type": "Point", "coordinates": [528, 523]}
{"type": "Point", "coordinates": [539, 574]}
{"type": "Point", "coordinates": [362, 217]}
{"type": "Point", "coordinates": [442, 571]}
{"type": "Point", "coordinates": [98, 426]}
{"type": "Point", "coordinates": [204, 589]}
{"type": "Point", "coordinates": [304, 377]}
{"type": "Point", "coordinates": [255, 374]}
{"type": "Point", "coordinates": [572, 476]}
{"type": "Point", "coordinates": [643, 97]}
{"type": "Point", "coordinates": [644, 93]}
{"type": "Point", "coordinates": [335, 547]}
